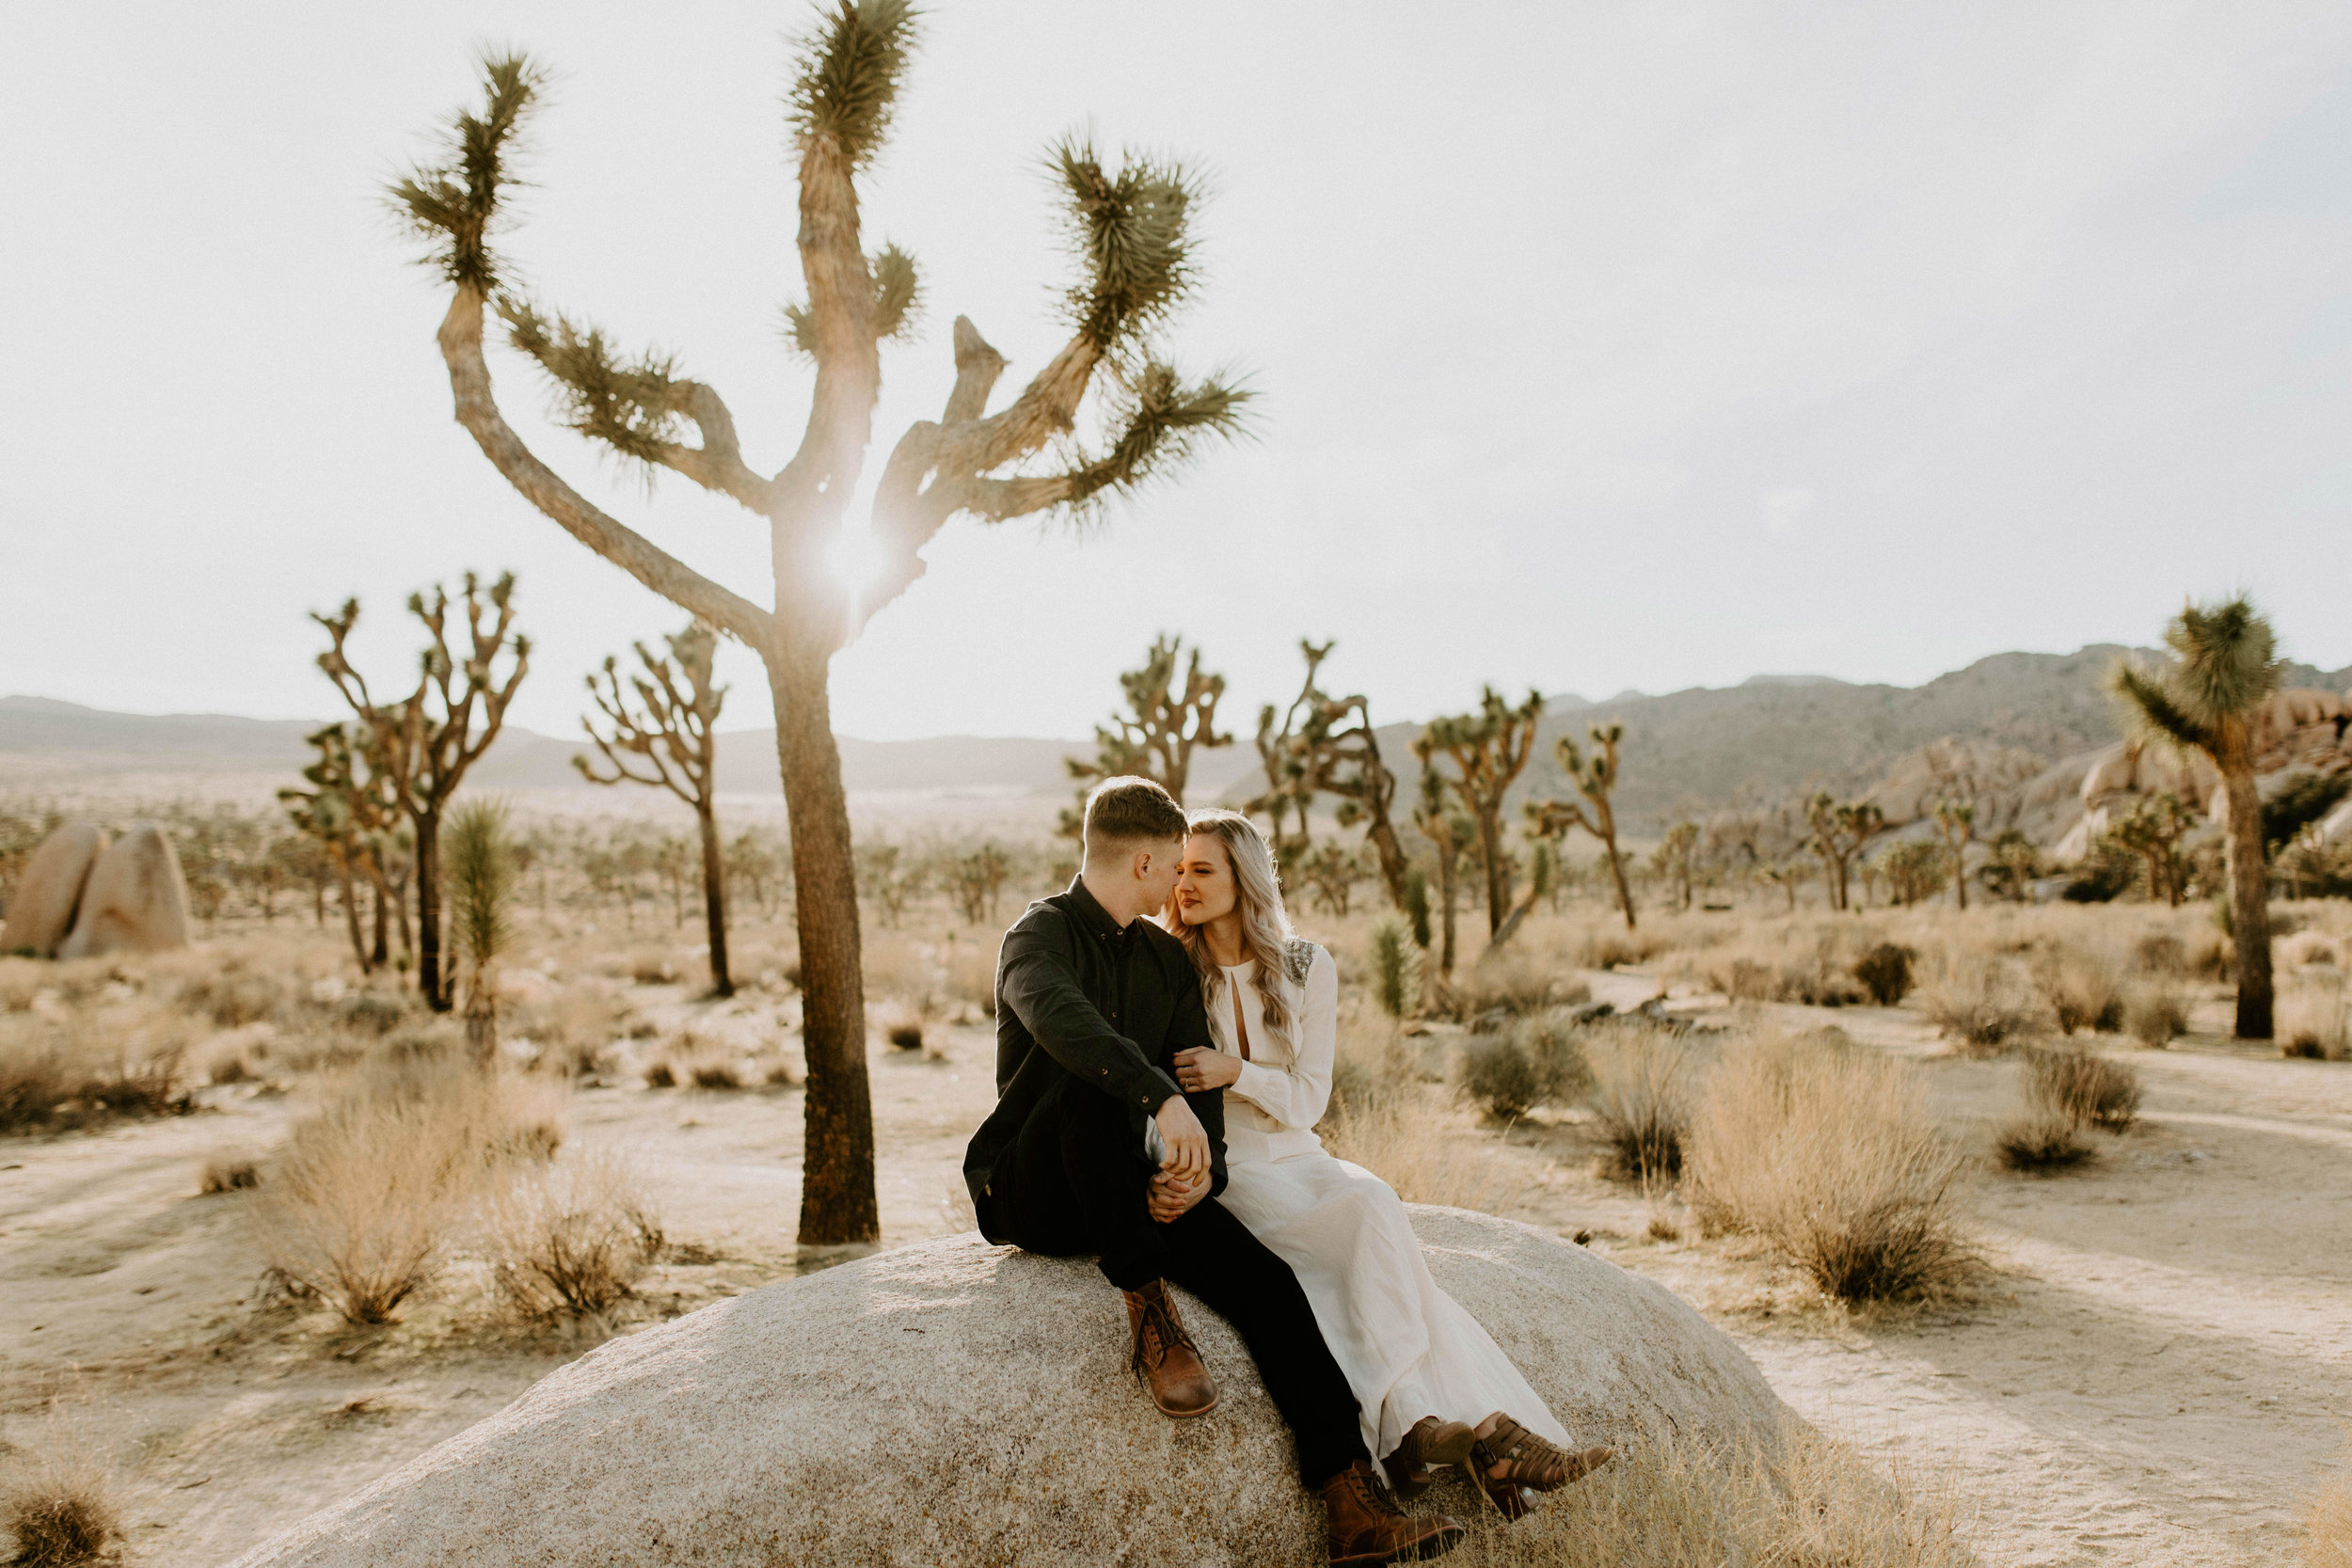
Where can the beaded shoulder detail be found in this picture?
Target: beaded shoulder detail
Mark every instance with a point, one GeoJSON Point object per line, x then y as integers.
{"type": "Point", "coordinates": [1298, 958]}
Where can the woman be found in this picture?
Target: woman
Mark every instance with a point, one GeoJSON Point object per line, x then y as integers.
{"type": "Point", "coordinates": [1431, 1386]}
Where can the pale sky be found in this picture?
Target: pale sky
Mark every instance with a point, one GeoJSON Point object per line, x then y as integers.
{"type": "Point", "coordinates": [1601, 346]}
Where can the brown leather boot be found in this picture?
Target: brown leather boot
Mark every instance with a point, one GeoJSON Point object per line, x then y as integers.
{"type": "Point", "coordinates": [1366, 1527]}
{"type": "Point", "coordinates": [1164, 1354]}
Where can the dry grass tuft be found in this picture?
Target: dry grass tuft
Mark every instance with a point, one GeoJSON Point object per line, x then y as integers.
{"type": "Point", "coordinates": [1639, 1099]}
{"type": "Point", "coordinates": [1827, 1151]}
{"type": "Point", "coordinates": [363, 1198]}
{"type": "Point", "coordinates": [1405, 1132]}
{"type": "Point", "coordinates": [60, 1503]}
{"type": "Point", "coordinates": [1979, 1003]}
{"type": "Point", "coordinates": [2084, 990]}
{"type": "Point", "coordinates": [2154, 1014]}
{"type": "Point", "coordinates": [68, 1072]}
{"type": "Point", "coordinates": [2039, 1145]}
{"type": "Point", "coordinates": [2084, 1088]}
{"type": "Point", "coordinates": [568, 1240]}
{"type": "Point", "coordinates": [1683, 1503]}
{"type": "Point", "coordinates": [2315, 1015]}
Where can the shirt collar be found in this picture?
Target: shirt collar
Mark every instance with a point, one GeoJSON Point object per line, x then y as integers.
{"type": "Point", "coordinates": [1090, 909]}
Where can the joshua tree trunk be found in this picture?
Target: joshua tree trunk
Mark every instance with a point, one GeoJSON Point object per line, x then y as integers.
{"type": "Point", "coordinates": [838, 1203]}
{"type": "Point", "coordinates": [351, 912]}
{"type": "Point", "coordinates": [383, 954]}
{"type": "Point", "coordinates": [429, 912]}
{"type": "Point", "coordinates": [714, 901]}
{"type": "Point", "coordinates": [2249, 904]}
{"type": "Point", "coordinates": [1445, 895]}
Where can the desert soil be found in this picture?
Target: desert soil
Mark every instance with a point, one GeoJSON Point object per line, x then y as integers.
{"type": "Point", "coordinates": [2157, 1369]}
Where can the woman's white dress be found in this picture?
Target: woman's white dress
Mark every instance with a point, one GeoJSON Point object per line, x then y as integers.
{"type": "Point", "coordinates": [1408, 1349]}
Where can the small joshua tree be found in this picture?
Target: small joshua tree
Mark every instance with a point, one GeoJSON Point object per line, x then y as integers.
{"type": "Point", "coordinates": [1162, 727]}
{"type": "Point", "coordinates": [1956, 824]}
{"type": "Point", "coordinates": [2152, 831]}
{"type": "Point", "coordinates": [2225, 667]}
{"type": "Point", "coordinates": [481, 908]}
{"type": "Point", "coordinates": [668, 737]}
{"type": "Point", "coordinates": [1450, 833]}
{"type": "Point", "coordinates": [975, 880]}
{"type": "Point", "coordinates": [1130, 232]}
{"type": "Point", "coordinates": [1327, 745]}
{"type": "Point", "coordinates": [346, 810]}
{"type": "Point", "coordinates": [1489, 751]}
{"type": "Point", "coordinates": [1594, 775]}
{"type": "Point", "coordinates": [2013, 864]}
{"type": "Point", "coordinates": [1671, 860]}
{"type": "Point", "coordinates": [1331, 873]}
{"type": "Point", "coordinates": [425, 740]}
{"type": "Point", "coordinates": [1840, 829]}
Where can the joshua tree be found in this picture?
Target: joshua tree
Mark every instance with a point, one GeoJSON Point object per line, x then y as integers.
{"type": "Point", "coordinates": [1327, 745]}
{"type": "Point", "coordinates": [1130, 231]}
{"type": "Point", "coordinates": [1839, 831]}
{"type": "Point", "coordinates": [1914, 870]}
{"type": "Point", "coordinates": [330, 812]}
{"type": "Point", "coordinates": [426, 741]}
{"type": "Point", "coordinates": [2225, 667]}
{"type": "Point", "coordinates": [1672, 859]}
{"type": "Point", "coordinates": [1489, 751]}
{"type": "Point", "coordinates": [1450, 833]}
{"type": "Point", "coordinates": [755, 860]}
{"type": "Point", "coordinates": [1787, 876]}
{"type": "Point", "coordinates": [2153, 830]}
{"type": "Point", "coordinates": [1331, 873]}
{"type": "Point", "coordinates": [1594, 775]}
{"type": "Point", "coordinates": [1156, 736]}
{"type": "Point", "coordinates": [975, 878]}
{"type": "Point", "coordinates": [2014, 861]}
{"type": "Point", "coordinates": [671, 733]}
{"type": "Point", "coordinates": [1956, 824]}
{"type": "Point", "coordinates": [480, 899]}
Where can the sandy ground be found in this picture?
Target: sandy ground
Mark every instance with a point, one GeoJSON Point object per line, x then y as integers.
{"type": "Point", "coordinates": [2156, 1373]}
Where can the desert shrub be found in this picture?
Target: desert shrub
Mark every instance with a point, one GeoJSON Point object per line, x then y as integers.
{"type": "Point", "coordinates": [2305, 949]}
{"type": "Point", "coordinates": [2315, 1016]}
{"type": "Point", "coordinates": [651, 968]}
{"type": "Point", "coordinates": [2154, 1014]}
{"type": "Point", "coordinates": [2041, 1144]}
{"type": "Point", "coordinates": [373, 1012]}
{"type": "Point", "coordinates": [906, 1034]}
{"type": "Point", "coordinates": [361, 1203]}
{"type": "Point", "coordinates": [576, 1029]}
{"type": "Point", "coordinates": [1392, 965]}
{"type": "Point", "coordinates": [232, 997]}
{"type": "Point", "coordinates": [60, 1503]}
{"type": "Point", "coordinates": [1529, 1062]}
{"type": "Point", "coordinates": [1607, 945]}
{"type": "Point", "coordinates": [1514, 982]}
{"type": "Point", "coordinates": [717, 1072]}
{"type": "Point", "coordinates": [2083, 989]}
{"type": "Point", "coordinates": [2084, 1087]}
{"type": "Point", "coordinates": [1690, 1500]}
{"type": "Point", "coordinates": [2327, 1524]}
{"type": "Point", "coordinates": [228, 1174]}
{"type": "Point", "coordinates": [2161, 953]}
{"type": "Point", "coordinates": [568, 1239]}
{"type": "Point", "coordinates": [1827, 1151]}
{"type": "Point", "coordinates": [1885, 971]}
{"type": "Point", "coordinates": [1383, 1118]}
{"type": "Point", "coordinates": [1979, 1003]}
{"type": "Point", "coordinates": [660, 1074]}
{"type": "Point", "coordinates": [72, 1071]}
{"type": "Point", "coordinates": [1640, 1100]}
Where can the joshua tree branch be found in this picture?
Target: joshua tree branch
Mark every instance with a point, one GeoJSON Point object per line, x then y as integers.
{"type": "Point", "coordinates": [478, 411]}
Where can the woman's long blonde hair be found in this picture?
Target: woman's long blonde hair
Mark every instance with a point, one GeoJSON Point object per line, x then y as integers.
{"type": "Point", "coordinates": [1265, 925]}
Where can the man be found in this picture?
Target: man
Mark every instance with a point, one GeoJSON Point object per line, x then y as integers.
{"type": "Point", "coordinates": [1094, 1001]}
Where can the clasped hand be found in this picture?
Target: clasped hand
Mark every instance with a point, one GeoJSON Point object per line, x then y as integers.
{"type": "Point", "coordinates": [1199, 1068]}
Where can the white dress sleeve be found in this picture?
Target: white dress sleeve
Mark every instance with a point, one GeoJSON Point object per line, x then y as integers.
{"type": "Point", "coordinates": [1296, 1095]}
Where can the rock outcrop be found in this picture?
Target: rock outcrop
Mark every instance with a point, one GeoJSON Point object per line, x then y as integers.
{"type": "Point", "coordinates": [951, 1402]}
{"type": "Point", "coordinates": [135, 900]}
{"type": "Point", "coordinates": [42, 910]}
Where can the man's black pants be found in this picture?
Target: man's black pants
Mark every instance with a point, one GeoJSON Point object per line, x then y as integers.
{"type": "Point", "coordinates": [1074, 1182]}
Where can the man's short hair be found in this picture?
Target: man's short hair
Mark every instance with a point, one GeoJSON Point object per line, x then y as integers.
{"type": "Point", "coordinates": [1131, 810]}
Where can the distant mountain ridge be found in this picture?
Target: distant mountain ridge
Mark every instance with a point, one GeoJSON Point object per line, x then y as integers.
{"type": "Point", "coordinates": [1684, 751]}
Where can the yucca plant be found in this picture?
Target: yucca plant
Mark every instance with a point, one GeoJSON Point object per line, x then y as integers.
{"type": "Point", "coordinates": [1130, 235]}
{"type": "Point", "coordinates": [481, 871]}
{"type": "Point", "coordinates": [2225, 667]}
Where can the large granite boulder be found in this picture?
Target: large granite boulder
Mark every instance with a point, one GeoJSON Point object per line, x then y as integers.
{"type": "Point", "coordinates": [951, 1402]}
{"type": "Point", "coordinates": [40, 911]}
{"type": "Point", "coordinates": [135, 901]}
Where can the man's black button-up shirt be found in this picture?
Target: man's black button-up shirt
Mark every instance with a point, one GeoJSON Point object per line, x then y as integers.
{"type": "Point", "coordinates": [1082, 1001]}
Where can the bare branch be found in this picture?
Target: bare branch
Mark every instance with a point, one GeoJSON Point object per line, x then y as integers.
{"type": "Point", "coordinates": [477, 410]}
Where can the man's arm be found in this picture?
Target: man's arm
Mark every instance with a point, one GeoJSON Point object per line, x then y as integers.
{"type": "Point", "coordinates": [1040, 987]}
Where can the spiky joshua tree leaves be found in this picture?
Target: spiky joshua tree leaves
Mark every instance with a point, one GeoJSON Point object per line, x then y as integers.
{"type": "Point", "coordinates": [1166, 720]}
{"type": "Point", "coordinates": [2225, 667]}
{"type": "Point", "coordinates": [482, 921]}
{"type": "Point", "coordinates": [666, 737]}
{"type": "Point", "coordinates": [424, 741]}
{"type": "Point", "coordinates": [1130, 231]}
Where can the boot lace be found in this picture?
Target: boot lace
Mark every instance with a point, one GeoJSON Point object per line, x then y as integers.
{"type": "Point", "coordinates": [1159, 1326]}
